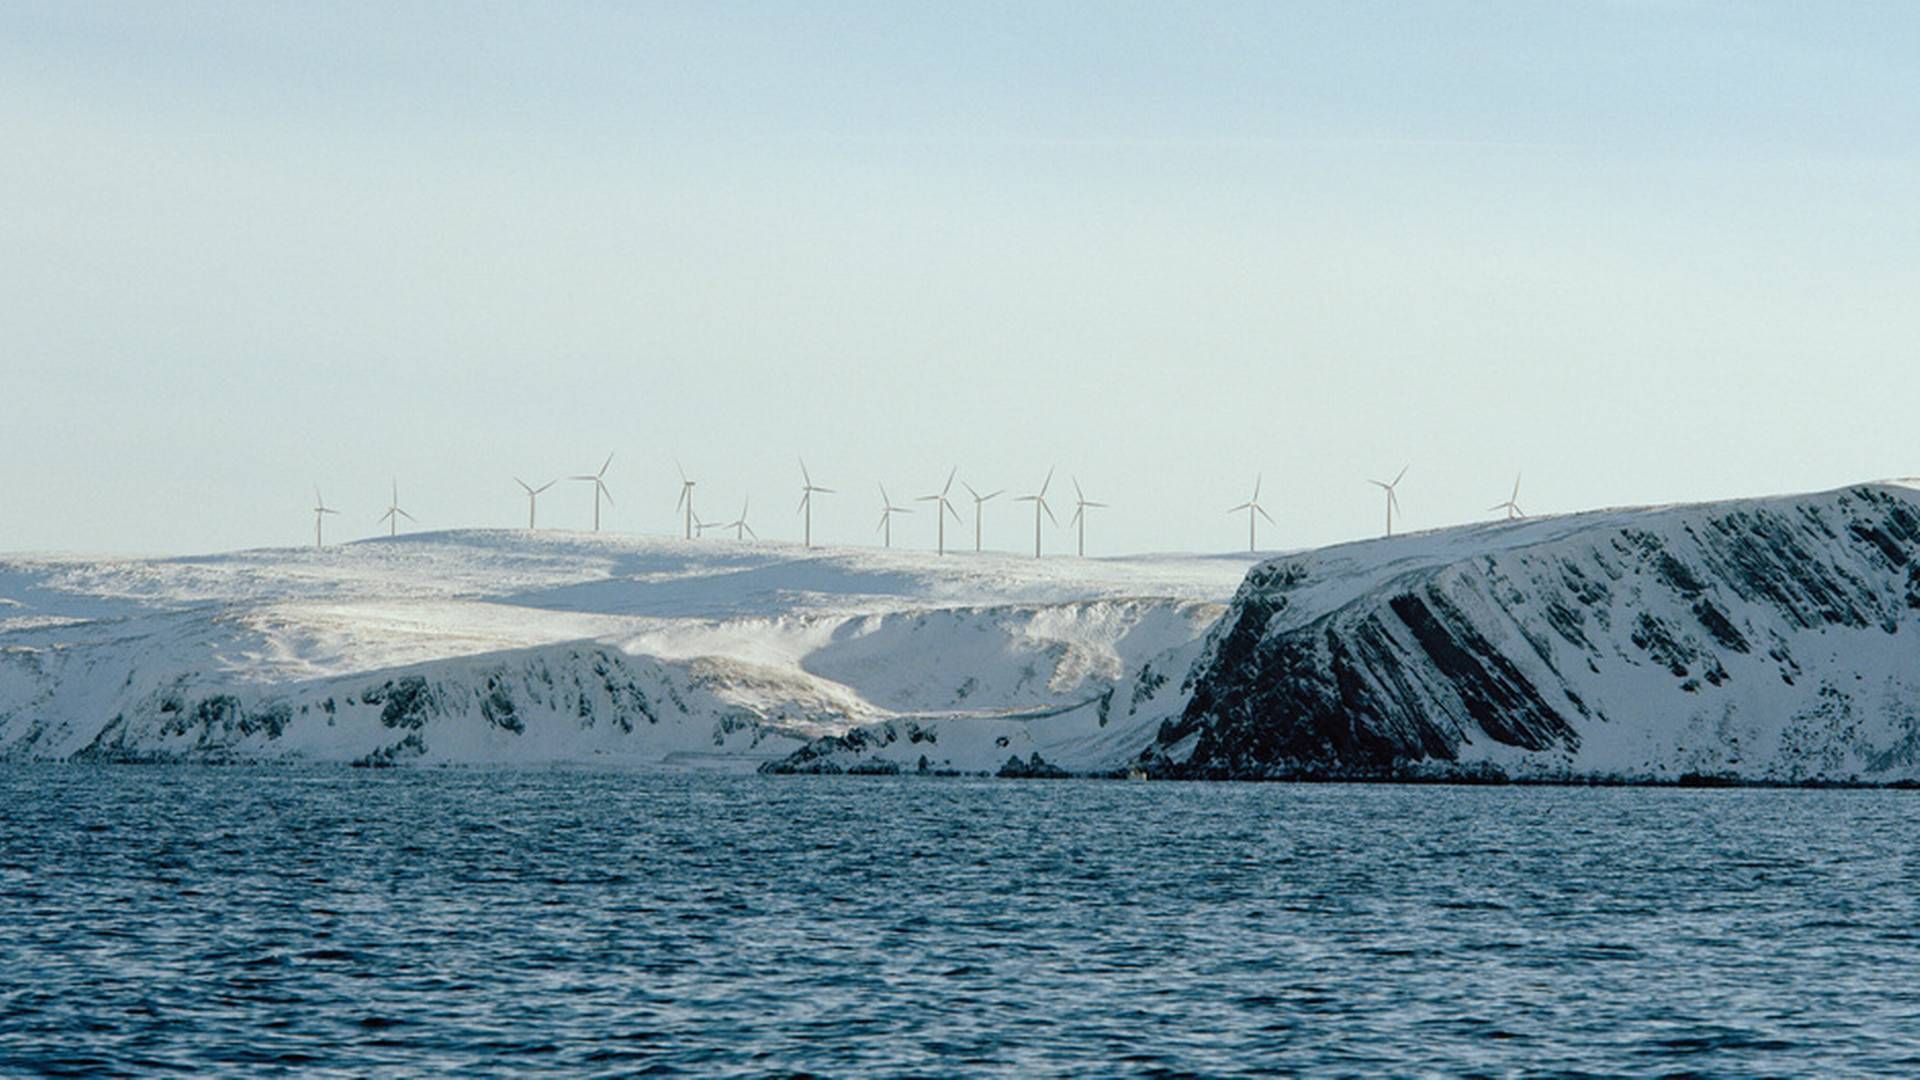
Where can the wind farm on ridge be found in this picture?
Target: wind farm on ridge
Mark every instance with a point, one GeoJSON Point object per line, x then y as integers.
{"type": "Point", "coordinates": [942, 500]}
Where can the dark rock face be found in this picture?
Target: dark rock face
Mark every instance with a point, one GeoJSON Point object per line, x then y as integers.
{"type": "Point", "coordinates": [1034, 768]}
{"type": "Point", "coordinates": [820, 756]}
{"type": "Point", "coordinates": [1519, 641]}
{"type": "Point", "coordinates": [575, 686]}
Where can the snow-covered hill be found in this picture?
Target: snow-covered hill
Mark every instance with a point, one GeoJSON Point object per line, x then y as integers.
{"type": "Point", "coordinates": [555, 647]}
{"type": "Point", "coordinates": [1772, 640]}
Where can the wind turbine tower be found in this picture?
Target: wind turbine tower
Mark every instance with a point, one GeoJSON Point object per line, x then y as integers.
{"type": "Point", "coordinates": [977, 500]}
{"type": "Point", "coordinates": [599, 489]}
{"type": "Point", "coordinates": [742, 530]}
{"type": "Point", "coordinates": [320, 512]}
{"type": "Point", "coordinates": [394, 513]}
{"type": "Point", "coordinates": [943, 508]}
{"type": "Point", "coordinates": [1393, 501]}
{"type": "Point", "coordinates": [686, 498]}
{"type": "Point", "coordinates": [808, 489]}
{"type": "Point", "coordinates": [1252, 506]}
{"type": "Point", "coordinates": [1081, 504]}
{"type": "Point", "coordinates": [1039, 501]}
{"type": "Point", "coordinates": [887, 510]}
{"type": "Point", "coordinates": [533, 494]}
{"type": "Point", "coordinates": [1512, 505]}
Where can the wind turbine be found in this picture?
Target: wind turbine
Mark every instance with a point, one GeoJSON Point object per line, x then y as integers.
{"type": "Point", "coordinates": [1039, 502]}
{"type": "Point", "coordinates": [532, 494]}
{"type": "Point", "coordinates": [1252, 506]}
{"type": "Point", "coordinates": [977, 500]}
{"type": "Point", "coordinates": [1080, 507]}
{"type": "Point", "coordinates": [599, 489]}
{"type": "Point", "coordinates": [686, 498]}
{"type": "Point", "coordinates": [700, 527]}
{"type": "Point", "coordinates": [320, 511]}
{"type": "Point", "coordinates": [887, 510]}
{"type": "Point", "coordinates": [1393, 500]}
{"type": "Point", "coordinates": [1512, 505]}
{"type": "Point", "coordinates": [944, 508]}
{"type": "Point", "coordinates": [394, 513]}
{"type": "Point", "coordinates": [742, 530]}
{"type": "Point", "coordinates": [807, 490]}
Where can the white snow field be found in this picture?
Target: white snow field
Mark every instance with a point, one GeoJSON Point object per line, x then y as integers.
{"type": "Point", "coordinates": [1774, 639]}
{"type": "Point", "coordinates": [553, 647]}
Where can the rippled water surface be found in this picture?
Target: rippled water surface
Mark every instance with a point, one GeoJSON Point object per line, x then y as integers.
{"type": "Point", "coordinates": [432, 921]}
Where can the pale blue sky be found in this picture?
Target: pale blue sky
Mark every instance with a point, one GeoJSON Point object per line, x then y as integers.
{"type": "Point", "coordinates": [1645, 251]}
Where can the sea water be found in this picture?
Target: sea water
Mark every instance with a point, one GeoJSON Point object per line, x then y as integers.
{"type": "Point", "coordinates": [248, 920]}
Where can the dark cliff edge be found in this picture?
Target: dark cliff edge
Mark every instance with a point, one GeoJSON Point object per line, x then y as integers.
{"type": "Point", "coordinates": [1761, 641]}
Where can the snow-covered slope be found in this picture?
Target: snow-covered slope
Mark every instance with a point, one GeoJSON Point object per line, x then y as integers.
{"type": "Point", "coordinates": [555, 647]}
{"type": "Point", "coordinates": [1772, 640]}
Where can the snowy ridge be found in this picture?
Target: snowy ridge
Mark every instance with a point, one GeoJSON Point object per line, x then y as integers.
{"type": "Point", "coordinates": [473, 647]}
{"type": "Point", "coordinates": [1771, 640]}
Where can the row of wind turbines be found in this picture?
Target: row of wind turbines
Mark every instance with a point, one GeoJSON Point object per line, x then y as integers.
{"type": "Point", "coordinates": [942, 500]}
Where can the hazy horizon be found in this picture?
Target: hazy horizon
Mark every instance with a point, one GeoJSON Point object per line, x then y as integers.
{"type": "Point", "coordinates": [1643, 253]}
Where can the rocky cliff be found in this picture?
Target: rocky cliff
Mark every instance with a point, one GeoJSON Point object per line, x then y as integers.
{"type": "Point", "coordinates": [1770, 640]}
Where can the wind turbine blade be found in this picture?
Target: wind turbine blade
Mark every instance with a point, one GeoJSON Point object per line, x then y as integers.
{"type": "Point", "coordinates": [1100, 505]}
{"type": "Point", "coordinates": [948, 507]}
{"type": "Point", "coordinates": [825, 491]}
{"type": "Point", "coordinates": [1516, 487]}
{"type": "Point", "coordinates": [681, 471]}
{"type": "Point", "coordinates": [682, 500]}
{"type": "Point", "coordinates": [545, 486]}
{"type": "Point", "coordinates": [928, 498]}
{"type": "Point", "coordinates": [804, 496]}
{"type": "Point", "coordinates": [970, 491]}
{"type": "Point", "coordinates": [1078, 513]}
{"type": "Point", "coordinates": [1496, 506]}
{"type": "Point", "coordinates": [1264, 514]}
{"type": "Point", "coordinates": [750, 531]}
{"type": "Point", "coordinates": [604, 464]}
{"type": "Point", "coordinates": [1026, 498]}
{"type": "Point", "coordinates": [588, 476]}
{"type": "Point", "coordinates": [951, 473]}
{"type": "Point", "coordinates": [1047, 483]}
{"type": "Point", "coordinates": [408, 516]}
{"type": "Point", "coordinates": [805, 479]}
{"type": "Point", "coordinates": [996, 494]}
{"type": "Point", "coordinates": [883, 522]}
{"type": "Point", "coordinates": [1237, 509]}
{"type": "Point", "coordinates": [1078, 495]}
{"type": "Point", "coordinates": [1049, 510]}
{"type": "Point", "coordinates": [602, 486]}
{"type": "Point", "coordinates": [1380, 485]}
{"type": "Point", "coordinates": [523, 484]}
{"type": "Point", "coordinates": [1256, 488]}
{"type": "Point", "coordinates": [884, 501]}
{"type": "Point", "coordinates": [1403, 472]}
{"type": "Point", "coordinates": [1517, 510]}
